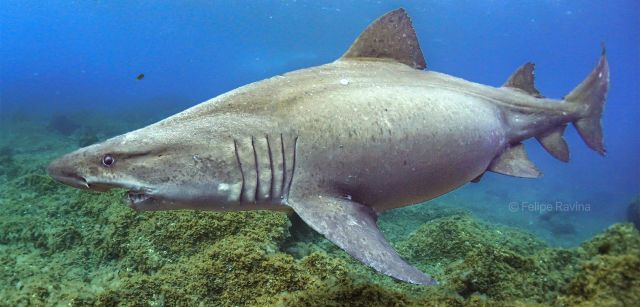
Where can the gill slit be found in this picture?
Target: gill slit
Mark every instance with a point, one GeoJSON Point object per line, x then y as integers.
{"type": "Point", "coordinates": [255, 159]}
{"type": "Point", "coordinates": [272, 184]}
{"type": "Point", "coordinates": [242, 187]}
{"type": "Point", "coordinates": [284, 167]}
{"type": "Point", "coordinates": [293, 165]}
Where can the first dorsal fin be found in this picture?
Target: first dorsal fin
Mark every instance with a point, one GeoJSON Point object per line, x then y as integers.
{"type": "Point", "coordinates": [523, 79]}
{"type": "Point", "coordinates": [390, 36]}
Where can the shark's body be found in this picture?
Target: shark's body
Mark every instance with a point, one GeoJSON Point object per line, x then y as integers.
{"type": "Point", "coordinates": [342, 142]}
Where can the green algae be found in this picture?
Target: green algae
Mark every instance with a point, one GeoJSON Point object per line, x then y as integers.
{"type": "Point", "coordinates": [483, 261]}
{"type": "Point", "coordinates": [446, 239]}
{"type": "Point", "coordinates": [610, 273]}
{"type": "Point", "coordinates": [605, 281]}
{"type": "Point", "coordinates": [63, 246]}
{"type": "Point", "coordinates": [413, 217]}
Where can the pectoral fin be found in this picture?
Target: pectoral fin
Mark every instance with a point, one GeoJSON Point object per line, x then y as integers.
{"type": "Point", "coordinates": [514, 162]}
{"type": "Point", "coordinates": [352, 226]}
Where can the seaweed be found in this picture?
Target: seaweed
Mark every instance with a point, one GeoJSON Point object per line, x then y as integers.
{"type": "Point", "coordinates": [448, 239]}
{"type": "Point", "coordinates": [605, 281]}
{"type": "Point", "coordinates": [610, 275]}
{"type": "Point", "coordinates": [478, 260]}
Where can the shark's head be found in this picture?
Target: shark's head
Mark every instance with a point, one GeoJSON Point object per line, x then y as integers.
{"type": "Point", "coordinates": [160, 170]}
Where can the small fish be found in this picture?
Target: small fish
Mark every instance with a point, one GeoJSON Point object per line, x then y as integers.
{"type": "Point", "coordinates": [140, 77]}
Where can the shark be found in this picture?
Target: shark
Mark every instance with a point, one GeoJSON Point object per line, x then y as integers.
{"type": "Point", "coordinates": [340, 143]}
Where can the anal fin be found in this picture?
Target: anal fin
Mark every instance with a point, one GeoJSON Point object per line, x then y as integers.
{"type": "Point", "coordinates": [514, 162]}
{"type": "Point", "coordinates": [352, 226]}
{"type": "Point", "coordinates": [554, 143]}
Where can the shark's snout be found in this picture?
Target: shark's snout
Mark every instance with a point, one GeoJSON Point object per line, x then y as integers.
{"type": "Point", "coordinates": [63, 171]}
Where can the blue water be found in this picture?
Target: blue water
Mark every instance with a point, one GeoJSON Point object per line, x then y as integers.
{"type": "Point", "coordinates": [65, 56]}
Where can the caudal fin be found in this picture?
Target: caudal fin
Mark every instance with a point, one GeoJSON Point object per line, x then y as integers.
{"type": "Point", "coordinates": [591, 95]}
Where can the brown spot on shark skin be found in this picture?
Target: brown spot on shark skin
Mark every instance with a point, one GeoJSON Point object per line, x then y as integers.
{"type": "Point", "coordinates": [307, 139]}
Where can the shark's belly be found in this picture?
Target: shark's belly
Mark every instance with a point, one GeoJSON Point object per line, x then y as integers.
{"type": "Point", "coordinates": [388, 148]}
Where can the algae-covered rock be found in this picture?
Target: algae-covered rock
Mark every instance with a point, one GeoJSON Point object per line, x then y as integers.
{"type": "Point", "coordinates": [451, 238]}
{"type": "Point", "coordinates": [499, 274]}
{"type": "Point", "coordinates": [610, 276]}
{"type": "Point", "coordinates": [412, 218]}
{"type": "Point", "coordinates": [346, 294]}
{"type": "Point", "coordinates": [605, 281]}
{"type": "Point", "coordinates": [478, 260]}
{"type": "Point", "coordinates": [230, 272]}
{"type": "Point", "coordinates": [618, 239]}
{"type": "Point", "coordinates": [236, 271]}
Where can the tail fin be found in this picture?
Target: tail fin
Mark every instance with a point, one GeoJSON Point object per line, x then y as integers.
{"type": "Point", "coordinates": [591, 94]}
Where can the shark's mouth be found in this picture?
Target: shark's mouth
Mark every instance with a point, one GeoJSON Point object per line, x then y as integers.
{"type": "Point", "coordinates": [137, 197]}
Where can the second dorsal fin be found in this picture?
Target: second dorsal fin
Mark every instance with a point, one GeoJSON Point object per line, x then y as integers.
{"type": "Point", "coordinates": [390, 36]}
{"type": "Point", "coordinates": [523, 79]}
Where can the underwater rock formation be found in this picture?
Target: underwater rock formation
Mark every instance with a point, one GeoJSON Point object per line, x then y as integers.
{"type": "Point", "coordinates": [609, 274]}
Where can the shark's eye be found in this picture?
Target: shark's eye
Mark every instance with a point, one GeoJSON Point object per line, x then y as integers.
{"type": "Point", "coordinates": [108, 160]}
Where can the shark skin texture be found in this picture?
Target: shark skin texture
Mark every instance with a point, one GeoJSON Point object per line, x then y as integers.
{"type": "Point", "coordinates": [340, 143]}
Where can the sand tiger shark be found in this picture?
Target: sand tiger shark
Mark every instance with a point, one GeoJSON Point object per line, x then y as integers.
{"type": "Point", "coordinates": [342, 142]}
